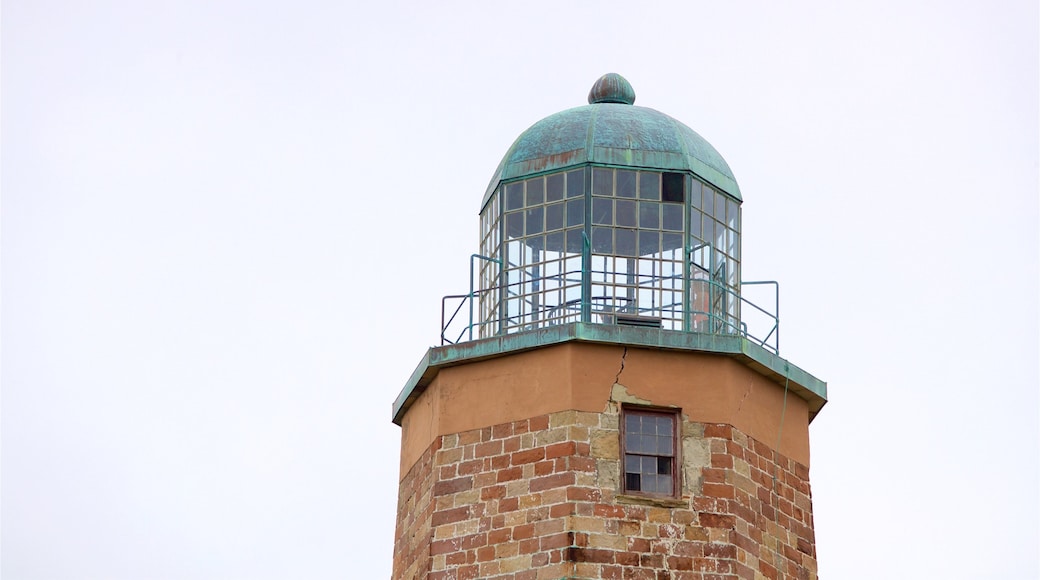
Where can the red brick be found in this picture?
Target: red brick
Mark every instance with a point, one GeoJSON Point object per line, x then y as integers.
{"type": "Point", "coordinates": [561, 510]}
{"type": "Point", "coordinates": [523, 531]}
{"type": "Point", "coordinates": [718, 430]}
{"type": "Point", "coordinates": [499, 536]}
{"type": "Point", "coordinates": [551, 481]}
{"type": "Point", "coordinates": [452, 486]}
{"type": "Point", "coordinates": [560, 540]}
{"type": "Point", "coordinates": [544, 467]}
{"type": "Point", "coordinates": [627, 558]}
{"type": "Point", "coordinates": [502, 431]}
{"type": "Point", "coordinates": [718, 521]}
{"type": "Point", "coordinates": [538, 423]}
{"type": "Point", "coordinates": [449, 516]}
{"type": "Point", "coordinates": [499, 462]}
{"type": "Point", "coordinates": [510, 445]}
{"type": "Point", "coordinates": [584, 464]}
{"type": "Point", "coordinates": [678, 563]}
{"type": "Point", "coordinates": [493, 492]}
{"type": "Point", "coordinates": [510, 474]}
{"type": "Point", "coordinates": [488, 448]}
{"type": "Point", "coordinates": [718, 490]}
{"type": "Point", "coordinates": [528, 456]}
{"type": "Point", "coordinates": [714, 550]}
{"type": "Point", "coordinates": [562, 449]}
{"type": "Point", "coordinates": [722, 460]}
{"type": "Point", "coordinates": [592, 555]}
{"type": "Point", "coordinates": [471, 467]}
{"type": "Point", "coordinates": [606, 510]}
{"type": "Point", "coordinates": [583, 494]}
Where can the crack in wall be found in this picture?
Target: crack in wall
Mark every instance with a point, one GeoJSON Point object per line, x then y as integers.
{"type": "Point", "coordinates": [747, 393]}
{"type": "Point", "coordinates": [617, 377]}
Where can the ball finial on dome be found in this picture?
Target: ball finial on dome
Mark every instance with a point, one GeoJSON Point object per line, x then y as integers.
{"type": "Point", "coordinates": [612, 88]}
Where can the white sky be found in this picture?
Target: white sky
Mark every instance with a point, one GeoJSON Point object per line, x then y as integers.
{"type": "Point", "coordinates": [227, 226]}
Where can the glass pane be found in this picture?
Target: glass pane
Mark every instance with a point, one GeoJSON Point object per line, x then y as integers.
{"type": "Point", "coordinates": [626, 242]}
{"type": "Point", "coordinates": [672, 218]}
{"type": "Point", "coordinates": [576, 183]}
{"type": "Point", "coordinates": [575, 212]}
{"type": "Point", "coordinates": [602, 241]}
{"type": "Point", "coordinates": [664, 466]}
{"type": "Point", "coordinates": [695, 194]}
{"type": "Point", "coordinates": [664, 485]}
{"type": "Point", "coordinates": [514, 196]}
{"type": "Point", "coordinates": [626, 213]}
{"type": "Point", "coordinates": [535, 220]}
{"type": "Point", "coordinates": [515, 224]}
{"type": "Point", "coordinates": [708, 228]}
{"type": "Point", "coordinates": [575, 241]}
{"type": "Point", "coordinates": [632, 482]}
{"type": "Point", "coordinates": [695, 223]}
{"type": "Point", "coordinates": [554, 216]}
{"type": "Point", "coordinates": [554, 242]}
{"type": "Point", "coordinates": [602, 181]}
{"type": "Point", "coordinates": [709, 197]}
{"type": "Point", "coordinates": [631, 423]}
{"type": "Point", "coordinates": [535, 191]}
{"type": "Point", "coordinates": [602, 211]}
{"type": "Point", "coordinates": [663, 446]}
{"type": "Point", "coordinates": [664, 425]}
{"type": "Point", "coordinates": [649, 185]}
{"type": "Point", "coordinates": [554, 187]}
{"type": "Point", "coordinates": [649, 215]}
{"type": "Point", "coordinates": [720, 207]}
{"type": "Point", "coordinates": [631, 463]}
{"type": "Point", "coordinates": [732, 212]}
{"type": "Point", "coordinates": [672, 242]}
{"type": "Point", "coordinates": [649, 243]}
{"type": "Point", "coordinates": [626, 183]}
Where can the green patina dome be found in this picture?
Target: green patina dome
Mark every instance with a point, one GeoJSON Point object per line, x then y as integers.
{"type": "Point", "coordinates": [612, 131]}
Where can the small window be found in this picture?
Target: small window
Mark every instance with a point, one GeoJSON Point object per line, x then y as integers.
{"type": "Point", "coordinates": [649, 447]}
{"type": "Point", "coordinates": [672, 187]}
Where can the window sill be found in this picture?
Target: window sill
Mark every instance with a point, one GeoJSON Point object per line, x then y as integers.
{"type": "Point", "coordinates": [667, 502]}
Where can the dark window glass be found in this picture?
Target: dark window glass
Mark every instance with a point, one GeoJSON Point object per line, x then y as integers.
{"type": "Point", "coordinates": [649, 242]}
{"type": "Point", "coordinates": [625, 213]}
{"type": "Point", "coordinates": [650, 186]}
{"type": "Point", "coordinates": [626, 183]}
{"type": "Point", "coordinates": [515, 224]}
{"type": "Point", "coordinates": [602, 241]}
{"type": "Point", "coordinates": [574, 241]}
{"type": "Point", "coordinates": [554, 242]}
{"type": "Point", "coordinates": [602, 211]}
{"type": "Point", "coordinates": [554, 187]}
{"type": "Point", "coordinates": [534, 220]}
{"type": "Point", "coordinates": [626, 242]}
{"type": "Point", "coordinates": [554, 216]}
{"type": "Point", "coordinates": [650, 451]}
{"type": "Point", "coordinates": [672, 187]}
{"type": "Point", "coordinates": [602, 181]}
{"type": "Point", "coordinates": [535, 191]}
{"type": "Point", "coordinates": [514, 196]}
{"type": "Point", "coordinates": [672, 219]}
{"type": "Point", "coordinates": [576, 183]}
{"type": "Point", "coordinates": [649, 215]}
{"type": "Point", "coordinates": [575, 212]}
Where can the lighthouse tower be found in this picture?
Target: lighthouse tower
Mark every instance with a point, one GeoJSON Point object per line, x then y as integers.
{"type": "Point", "coordinates": [606, 401]}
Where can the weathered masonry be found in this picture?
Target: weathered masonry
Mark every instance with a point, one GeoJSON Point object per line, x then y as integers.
{"type": "Point", "coordinates": [606, 401]}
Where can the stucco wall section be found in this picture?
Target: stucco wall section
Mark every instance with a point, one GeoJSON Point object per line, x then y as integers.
{"type": "Point", "coordinates": [709, 388]}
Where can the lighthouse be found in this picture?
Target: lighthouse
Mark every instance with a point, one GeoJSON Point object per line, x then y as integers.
{"type": "Point", "coordinates": [605, 400]}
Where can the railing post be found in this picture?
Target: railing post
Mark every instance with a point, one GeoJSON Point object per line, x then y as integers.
{"type": "Point", "coordinates": [469, 297]}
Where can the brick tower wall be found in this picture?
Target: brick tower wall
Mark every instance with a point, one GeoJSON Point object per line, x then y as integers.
{"type": "Point", "coordinates": [540, 498]}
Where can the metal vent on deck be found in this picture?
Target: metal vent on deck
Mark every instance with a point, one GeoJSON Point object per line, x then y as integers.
{"type": "Point", "coordinates": [640, 321]}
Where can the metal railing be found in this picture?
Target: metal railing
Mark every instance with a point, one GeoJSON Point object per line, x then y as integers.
{"type": "Point", "coordinates": [764, 327]}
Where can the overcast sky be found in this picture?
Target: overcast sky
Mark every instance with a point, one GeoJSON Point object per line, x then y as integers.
{"type": "Point", "coordinates": [227, 227]}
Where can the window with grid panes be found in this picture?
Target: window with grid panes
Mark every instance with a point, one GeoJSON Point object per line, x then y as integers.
{"type": "Point", "coordinates": [649, 448]}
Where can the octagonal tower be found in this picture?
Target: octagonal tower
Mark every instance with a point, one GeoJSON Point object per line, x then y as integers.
{"type": "Point", "coordinates": [606, 402]}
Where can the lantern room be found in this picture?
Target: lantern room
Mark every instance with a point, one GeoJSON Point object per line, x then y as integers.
{"type": "Point", "coordinates": [609, 213]}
